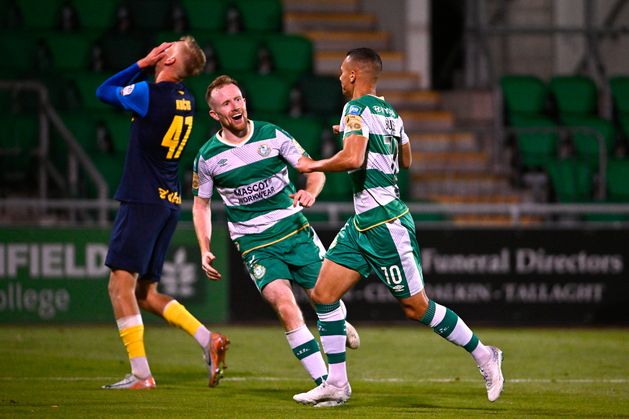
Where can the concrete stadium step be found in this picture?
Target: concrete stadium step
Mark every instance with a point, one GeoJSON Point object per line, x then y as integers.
{"type": "Point", "coordinates": [412, 99]}
{"type": "Point", "coordinates": [427, 120]}
{"type": "Point", "coordinates": [321, 5]}
{"type": "Point", "coordinates": [346, 40]}
{"type": "Point", "coordinates": [426, 186]}
{"type": "Point", "coordinates": [329, 62]}
{"type": "Point", "coordinates": [297, 22]}
{"type": "Point", "coordinates": [443, 141]}
{"type": "Point", "coordinates": [397, 80]}
{"type": "Point", "coordinates": [466, 161]}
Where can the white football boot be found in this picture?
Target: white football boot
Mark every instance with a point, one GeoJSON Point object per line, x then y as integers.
{"type": "Point", "coordinates": [325, 395]}
{"type": "Point", "coordinates": [492, 373]}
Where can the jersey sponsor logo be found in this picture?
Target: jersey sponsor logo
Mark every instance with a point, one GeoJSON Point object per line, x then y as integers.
{"type": "Point", "coordinates": [254, 192]}
{"type": "Point", "coordinates": [353, 110]}
{"type": "Point", "coordinates": [258, 271]}
{"type": "Point", "coordinates": [264, 150]}
{"type": "Point", "coordinates": [170, 196]}
{"type": "Point", "coordinates": [127, 90]}
{"type": "Point", "coordinates": [354, 123]}
{"type": "Point", "coordinates": [195, 180]}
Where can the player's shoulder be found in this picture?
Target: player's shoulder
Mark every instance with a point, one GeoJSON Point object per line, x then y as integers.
{"type": "Point", "coordinates": [211, 147]}
{"type": "Point", "coordinates": [378, 105]}
{"type": "Point", "coordinates": [263, 130]}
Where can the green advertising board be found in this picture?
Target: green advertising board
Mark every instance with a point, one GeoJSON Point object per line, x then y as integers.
{"type": "Point", "coordinates": [57, 275]}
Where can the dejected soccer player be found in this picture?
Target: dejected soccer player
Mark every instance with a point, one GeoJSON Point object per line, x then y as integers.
{"type": "Point", "coordinates": [149, 195]}
{"type": "Point", "coordinates": [380, 236]}
{"type": "Point", "coordinates": [246, 161]}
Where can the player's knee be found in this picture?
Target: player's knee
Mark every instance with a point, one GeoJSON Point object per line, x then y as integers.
{"type": "Point", "coordinates": [322, 297]}
{"type": "Point", "coordinates": [414, 311]}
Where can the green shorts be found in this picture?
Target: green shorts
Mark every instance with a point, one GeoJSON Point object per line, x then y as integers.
{"type": "Point", "coordinates": [390, 250]}
{"type": "Point", "coordinates": [297, 258]}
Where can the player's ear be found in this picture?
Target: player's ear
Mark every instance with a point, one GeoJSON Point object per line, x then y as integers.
{"type": "Point", "coordinates": [213, 114]}
{"type": "Point", "coordinates": [170, 60]}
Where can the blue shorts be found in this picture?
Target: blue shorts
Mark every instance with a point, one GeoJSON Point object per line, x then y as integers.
{"type": "Point", "coordinates": [140, 238]}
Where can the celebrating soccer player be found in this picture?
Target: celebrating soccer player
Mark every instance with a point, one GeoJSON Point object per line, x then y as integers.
{"type": "Point", "coordinates": [380, 236]}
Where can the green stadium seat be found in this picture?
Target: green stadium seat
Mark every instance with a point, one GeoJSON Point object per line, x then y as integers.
{"type": "Point", "coordinates": [96, 14]}
{"type": "Point", "coordinates": [585, 143]}
{"type": "Point", "coordinates": [260, 15]}
{"type": "Point", "coordinates": [321, 96]}
{"type": "Point", "coordinates": [86, 85]}
{"type": "Point", "coordinates": [618, 180]}
{"type": "Point", "coordinates": [70, 52]}
{"type": "Point", "coordinates": [619, 87]}
{"type": "Point", "coordinates": [150, 15]}
{"type": "Point", "coordinates": [83, 126]}
{"type": "Point", "coordinates": [524, 95]}
{"type": "Point", "coordinates": [338, 187]}
{"type": "Point", "coordinates": [571, 180]}
{"type": "Point", "coordinates": [535, 149]}
{"type": "Point", "coordinates": [574, 95]}
{"type": "Point", "coordinates": [265, 94]}
{"type": "Point", "coordinates": [110, 165]}
{"type": "Point", "coordinates": [18, 52]}
{"type": "Point", "coordinates": [37, 14]}
{"type": "Point", "coordinates": [19, 139]}
{"type": "Point", "coordinates": [121, 50]}
{"type": "Point", "coordinates": [206, 15]}
{"type": "Point", "coordinates": [198, 86]}
{"type": "Point", "coordinates": [119, 126]}
{"type": "Point", "coordinates": [306, 130]}
{"type": "Point", "coordinates": [236, 53]}
{"type": "Point", "coordinates": [291, 55]}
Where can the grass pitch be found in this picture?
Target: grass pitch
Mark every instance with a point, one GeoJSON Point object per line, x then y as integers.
{"type": "Point", "coordinates": [397, 372]}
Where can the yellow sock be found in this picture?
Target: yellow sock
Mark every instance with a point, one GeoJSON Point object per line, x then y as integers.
{"type": "Point", "coordinates": [133, 339]}
{"type": "Point", "coordinates": [177, 315]}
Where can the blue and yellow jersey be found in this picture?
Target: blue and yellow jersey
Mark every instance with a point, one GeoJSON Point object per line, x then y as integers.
{"type": "Point", "coordinates": [161, 122]}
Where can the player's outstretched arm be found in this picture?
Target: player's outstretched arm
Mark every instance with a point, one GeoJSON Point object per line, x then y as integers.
{"type": "Point", "coordinates": [307, 196]}
{"type": "Point", "coordinates": [202, 219]}
{"type": "Point", "coordinates": [351, 157]}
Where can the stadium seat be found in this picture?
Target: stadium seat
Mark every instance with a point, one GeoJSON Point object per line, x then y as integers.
{"type": "Point", "coordinates": [119, 51]}
{"type": "Point", "coordinates": [619, 87]}
{"type": "Point", "coordinates": [96, 14]}
{"type": "Point", "coordinates": [265, 94]}
{"type": "Point", "coordinates": [110, 166]}
{"type": "Point", "coordinates": [236, 53]}
{"type": "Point", "coordinates": [150, 15]}
{"type": "Point", "coordinates": [524, 95]}
{"type": "Point", "coordinates": [70, 52]}
{"type": "Point", "coordinates": [86, 85]}
{"type": "Point", "coordinates": [574, 95]}
{"type": "Point", "coordinates": [83, 126]}
{"type": "Point", "coordinates": [321, 96]}
{"type": "Point", "coordinates": [618, 180]}
{"type": "Point", "coordinates": [306, 130]}
{"type": "Point", "coordinates": [198, 86]}
{"type": "Point", "coordinates": [260, 15]}
{"type": "Point", "coordinates": [535, 149]}
{"type": "Point", "coordinates": [37, 14]}
{"type": "Point", "coordinates": [18, 52]}
{"type": "Point", "coordinates": [586, 143]}
{"type": "Point", "coordinates": [338, 187]}
{"type": "Point", "coordinates": [19, 139]}
{"type": "Point", "coordinates": [571, 180]}
{"type": "Point", "coordinates": [206, 15]}
{"type": "Point", "coordinates": [291, 55]}
{"type": "Point", "coordinates": [119, 126]}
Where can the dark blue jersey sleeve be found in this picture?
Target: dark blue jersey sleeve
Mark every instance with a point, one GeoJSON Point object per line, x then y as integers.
{"type": "Point", "coordinates": [118, 91]}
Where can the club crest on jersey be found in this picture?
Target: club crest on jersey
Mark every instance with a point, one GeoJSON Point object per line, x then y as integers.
{"type": "Point", "coordinates": [258, 271]}
{"type": "Point", "coordinates": [264, 150]}
{"type": "Point", "coordinates": [222, 162]}
{"type": "Point", "coordinates": [354, 110]}
{"type": "Point", "coordinates": [126, 91]}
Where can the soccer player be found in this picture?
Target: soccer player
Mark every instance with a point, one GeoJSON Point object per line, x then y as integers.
{"type": "Point", "coordinates": [380, 236]}
{"type": "Point", "coordinates": [149, 195]}
{"type": "Point", "coordinates": [246, 163]}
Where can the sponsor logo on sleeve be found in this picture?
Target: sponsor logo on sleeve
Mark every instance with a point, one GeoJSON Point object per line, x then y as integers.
{"type": "Point", "coordinates": [354, 110]}
{"type": "Point", "coordinates": [126, 91]}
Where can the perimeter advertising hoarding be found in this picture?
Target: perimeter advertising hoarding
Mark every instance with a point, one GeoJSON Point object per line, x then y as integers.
{"type": "Point", "coordinates": [492, 276]}
{"type": "Point", "coordinates": [55, 275]}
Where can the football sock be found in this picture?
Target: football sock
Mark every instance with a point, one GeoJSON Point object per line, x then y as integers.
{"type": "Point", "coordinates": [333, 336]}
{"type": "Point", "coordinates": [177, 315]}
{"type": "Point", "coordinates": [448, 325]}
{"type": "Point", "coordinates": [306, 349]}
{"type": "Point", "coordinates": [131, 330]}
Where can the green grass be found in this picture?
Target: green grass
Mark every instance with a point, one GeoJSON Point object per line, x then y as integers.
{"type": "Point", "coordinates": [397, 372]}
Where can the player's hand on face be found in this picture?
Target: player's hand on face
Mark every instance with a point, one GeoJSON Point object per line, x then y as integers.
{"type": "Point", "coordinates": [155, 55]}
{"type": "Point", "coordinates": [206, 263]}
{"type": "Point", "coordinates": [336, 129]}
{"type": "Point", "coordinates": [305, 198]}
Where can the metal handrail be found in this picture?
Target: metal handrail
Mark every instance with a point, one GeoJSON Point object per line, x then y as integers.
{"type": "Point", "coordinates": [78, 157]}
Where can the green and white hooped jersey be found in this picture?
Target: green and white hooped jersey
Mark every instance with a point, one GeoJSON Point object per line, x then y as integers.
{"type": "Point", "coordinates": [376, 193]}
{"type": "Point", "coordinates": [252, 180]}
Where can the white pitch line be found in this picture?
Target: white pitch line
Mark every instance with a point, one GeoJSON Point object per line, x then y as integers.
{"type": "Point", "coordinates": [370, 380]}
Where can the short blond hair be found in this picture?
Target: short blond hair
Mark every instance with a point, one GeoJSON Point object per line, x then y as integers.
{"type": "Point", "coordinates": [217, 83]}
{"type": "Point", "coordinates": [194, 57]}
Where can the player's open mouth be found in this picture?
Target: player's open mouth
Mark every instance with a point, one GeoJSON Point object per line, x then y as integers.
{"type": "Point", "coordinates": [237, 117]}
